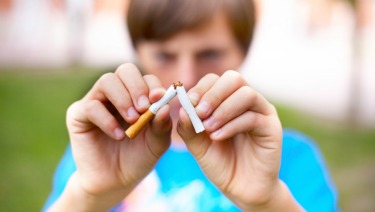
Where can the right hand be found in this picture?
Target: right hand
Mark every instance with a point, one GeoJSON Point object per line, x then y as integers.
{"type": "Point", "coordinates": [109, 163]}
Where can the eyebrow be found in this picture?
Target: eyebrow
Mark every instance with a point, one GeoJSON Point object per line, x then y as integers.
{"type": "Point", "coordinates": [219, 50]}
{"type": "Point", "coordinates": [201, 51]}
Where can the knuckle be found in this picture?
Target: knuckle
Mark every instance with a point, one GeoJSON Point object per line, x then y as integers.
{"type": "Point", "coordinates": [254, 120]}
{"type": "Point", "coordinates": [73, 109]}
{"type": "Point", "coordinates": [125, 68]}
{"type": "Point", "coordinates": [234, 76]}
{"type": "Point", "coordinates": [109, 121]}
{"type": "Point", "coordinates": [105, 78]}
{"type": "Point", "coordinates": [251, 121]}
{"type": "Point", "coordinates": [90, 107]}
{"type": "Point", "coordinates": [198, 90]}
{"type": "Point", "coordinates": [140, 91]}
{"type": "Point", "coordinates": [201, 87]}
{"type": "Point", "coordinates": [212, 76]}
{"type": "Point", "coordinates": [149, 77]}
{"type": "Point", "coordinates": [230, 72]}
{"type": "Point", "coordinates": [220, 118]}
{"type": "Point", "coordinates": [273, 108]}
{"type": "Point", "coordinates": [229, 130]}
{"type": "Point", "coordinates": [212, 99]}
{"type": "Point", "coordinates": [121, 104]}
{"type": "Point", "coordinates": [250, 94]}
{"type": "Point", "coordinates": [151, 80]}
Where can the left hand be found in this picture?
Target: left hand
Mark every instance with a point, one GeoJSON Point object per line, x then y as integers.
{"type": "Point", "coordinates": [241, 148]}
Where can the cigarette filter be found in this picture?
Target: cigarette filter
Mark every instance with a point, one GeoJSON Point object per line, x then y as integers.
{"type": "Point", "coordinates": [135, 128]}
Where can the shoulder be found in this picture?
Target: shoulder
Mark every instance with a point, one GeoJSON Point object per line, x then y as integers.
{"type": "Point", "coordinates": [64, 170]}
{"type": "Point", "coordinates": [305, 172]}
{"type": "Point", "coordinates": [299, 148]}
{"type": "Point", "coordinates": [293, 139]}
{"type": "Point", "coordinates": [300, 154]}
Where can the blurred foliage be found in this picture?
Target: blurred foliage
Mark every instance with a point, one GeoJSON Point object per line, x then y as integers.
{"type": "Point", "coordinates": [33, 138]}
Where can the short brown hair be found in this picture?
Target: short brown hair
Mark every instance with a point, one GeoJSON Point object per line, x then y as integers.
{"type": "Point", "coordinates": [161, 19]}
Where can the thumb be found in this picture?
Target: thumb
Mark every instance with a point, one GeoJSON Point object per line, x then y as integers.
{"type": "Point", "coordinates": [197, 144]}
{"type": "Point", "coordinates": [159, 131]}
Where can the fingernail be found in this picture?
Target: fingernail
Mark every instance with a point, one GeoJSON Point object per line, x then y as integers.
{"type": "Point", "coordinates": [119, 133]}
{"type": "Point", "coordinates": [143, 102]}
{"type": "Point", "coordinates": [132, 113]}
{"type": "Point", "coordinates": [203, 107]}
{"type": "Point", "coordinates": [194, 98]}
{"type": "Point", "coordinates": [216, 133]}
{"type": "Point", "coordinates": [209, 123]}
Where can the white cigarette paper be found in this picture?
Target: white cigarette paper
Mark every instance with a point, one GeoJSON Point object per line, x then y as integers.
{"type": "Point", "coordinates": [136, 127]}
{"type": "Point", "coordinates": [173, 90]}
{"type": "Point", "coordinates": [186, 104]}
{"type": "Point", "coordinates": [169, 94]}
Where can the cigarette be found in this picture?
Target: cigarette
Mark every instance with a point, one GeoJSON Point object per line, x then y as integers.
{"type": "Point", "coordinates": [135, 128]}
{"type": "Point", "coordinates": [189, 108]}
{"type": "Point", "coordinates": [175, 89]}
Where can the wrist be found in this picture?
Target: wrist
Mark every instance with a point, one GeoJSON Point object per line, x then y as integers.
{"type": "Point", "coordinates": [281, 199]}
{"type": "Point", "coordinates": [76, 198]}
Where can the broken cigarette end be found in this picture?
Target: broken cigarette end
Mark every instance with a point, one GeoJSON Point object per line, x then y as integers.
{"type": "Point", "coordinates": [178, 84]}
{"type": "Point", "coordinates": [135, 128]}
{"type": "Point", "coordinates": [189, 108]}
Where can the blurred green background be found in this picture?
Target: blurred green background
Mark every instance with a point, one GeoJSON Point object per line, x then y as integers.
{"type": "Point", "coordinates": [33, 138]}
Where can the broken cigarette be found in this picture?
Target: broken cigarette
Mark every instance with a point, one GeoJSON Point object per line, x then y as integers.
{"type": "Point", "coordinates": [189, 108]}
{"type": "Point", "coordinates": [176, 88]}
{"type": "Point", "coordinates": [135, 128]}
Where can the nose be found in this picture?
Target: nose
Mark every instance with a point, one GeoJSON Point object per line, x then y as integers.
{"type": "Point", "coordinates": [187, 71]}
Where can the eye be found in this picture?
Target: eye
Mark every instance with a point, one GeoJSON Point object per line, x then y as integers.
{"type": "Point", "coordinates": [210, 55]}
{"type": "Point", "coordinates": [163, 57]}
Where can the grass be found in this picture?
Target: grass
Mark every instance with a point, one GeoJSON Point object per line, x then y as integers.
{"type": "Point", "coordinates": [33, 133]}
{"type": "Point", "coordinates": [33, 137]}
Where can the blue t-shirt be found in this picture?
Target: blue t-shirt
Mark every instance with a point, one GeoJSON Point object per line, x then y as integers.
{"type": "Point", "coordinates": [178, 184]}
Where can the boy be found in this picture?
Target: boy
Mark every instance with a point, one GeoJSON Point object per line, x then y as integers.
{"type": "Point", "coordinates": [235, 164]}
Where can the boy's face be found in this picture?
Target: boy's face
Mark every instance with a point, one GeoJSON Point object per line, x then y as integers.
{"type": "Point", "coordinates": [191, 54]}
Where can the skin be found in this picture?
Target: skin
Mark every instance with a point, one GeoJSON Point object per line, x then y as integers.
{"type": "Point", "coordinates": [239, 151]}
{"type": "Point", "coordinates": [190, 55]}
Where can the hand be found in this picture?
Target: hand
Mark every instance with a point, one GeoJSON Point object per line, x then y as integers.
{"type": "Point", "coordinates": [241, 147]}
{"type": "Point", "coordinates": [108, 163]}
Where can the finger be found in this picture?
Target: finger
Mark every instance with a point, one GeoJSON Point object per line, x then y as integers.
{"type": "Point", "coordinates": [155, 87]}
{"type": "Point", "coordinates": [204, 84]}
{"type": "Point", "coordinates": [110, 88]}
{"type": "Point", "coordinates": [228, 83]}
{"type": "Point", "coordinates": [158, 135]}
{"type": "Point", "coordinates": [198, 144]}
{"type": "Point", "coordinates": [98, 114]}
{"type": "Point", "coordinates": [242, 100]}
{"type": "Point", "coordinates": [135, 84]}
{"type": "Point", "coordinates": [249, 122]}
